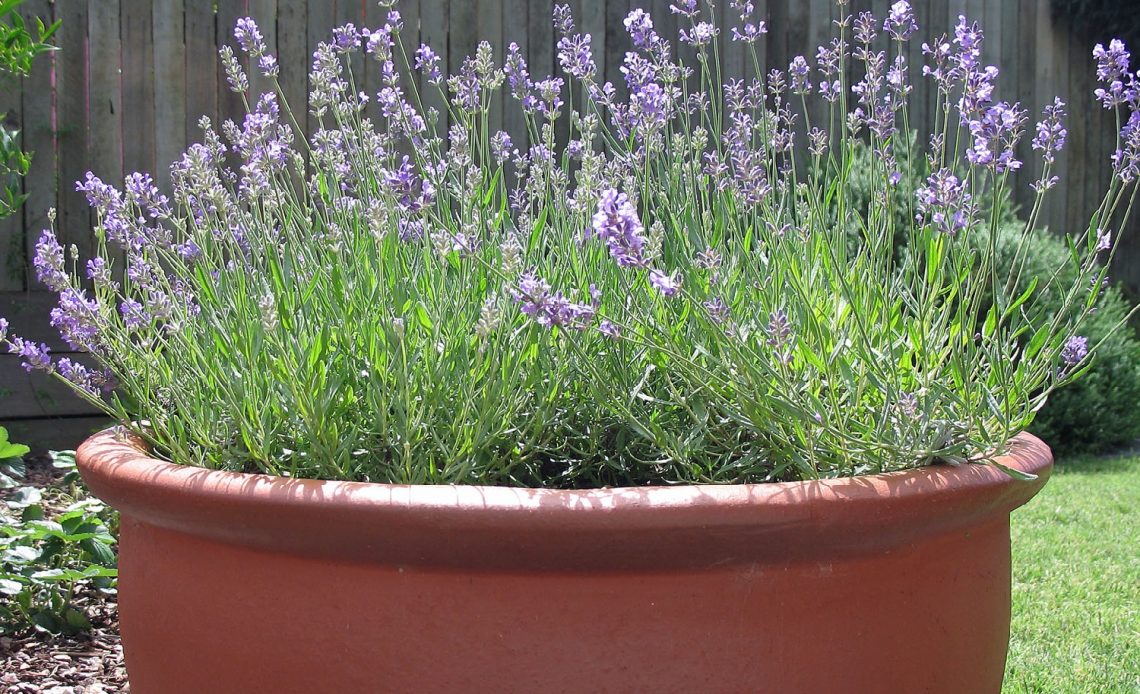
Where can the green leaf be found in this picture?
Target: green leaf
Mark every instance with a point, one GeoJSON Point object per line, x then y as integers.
{"type": "Point", "coordinates": [991, 321]}
{"type": "Point", "coordinates": [1036, 342]}
{"type": "Point", "coordinates": [1021, 299]}
{"type": "Point", "coordinates": [539, 225]}
{"type": "Point", "coordinates": [76, 620]}
{"type": "Point", "coordinates": [1014, 473]}
{"type": "Point", "coordinates": [422, 317]}
{"type": "Point", "coordinates": [491, 188]}
{"type": "Point", "coordinates": [24, 497]}
{"type": "Point", "coordinates": [11, 450]}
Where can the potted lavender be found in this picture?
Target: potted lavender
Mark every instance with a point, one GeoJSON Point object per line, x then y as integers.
{"type": "Point", "coordinates": [653, 404]}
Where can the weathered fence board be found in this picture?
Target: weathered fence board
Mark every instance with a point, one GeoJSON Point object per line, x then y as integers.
{"type": "Point", "coordinates": [170, 112]}
{"type": "Point", "coordinates": [133, 77]}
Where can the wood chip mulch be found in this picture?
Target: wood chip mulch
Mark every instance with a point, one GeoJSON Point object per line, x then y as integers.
{"type": "Point", "coordinates": [90, 663]}
{"type": "Point", "coordinates": [85, 664]}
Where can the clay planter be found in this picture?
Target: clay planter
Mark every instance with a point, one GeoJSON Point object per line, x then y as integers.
{"type": "Point", "coordinates": [247, 583]}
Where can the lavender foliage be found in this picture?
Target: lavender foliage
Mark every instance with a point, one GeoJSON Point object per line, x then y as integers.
{"type": "Point", "coordinates": [645, 283]}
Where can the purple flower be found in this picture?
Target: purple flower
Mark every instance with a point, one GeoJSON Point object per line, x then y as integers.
{"type": "Point", "coordinates": [900, 22]}
{"type": "Point", "coordinates": [865, 28]}
{"type": "Point", "coordinates": [547, 98]}
{"type": "Point", "coordinates": [575, 58]}
{"type": "Point", "coordinates": [718, 310]}
{"type": "Point", "coordinates": [134, 315]}
{"type": "Point", "coordinates": [410, 229]}
{"type": "Point", "coordinates": [669, 285]}
{"type": "Point", "coordinates": [1051, 132]}
{"type": "Point", "coordinates": [969, 39]}
{"type": "Point", "coordinates": [516, 71]}
{"type": "Point", "coordinates": [748, 32]}
{"type": "Point", "coordinates": [346, 38]}
{"type": "Point", "coordinates": [535, 300]}
{"type": "Point", "coordinates": [1111, 64]}
{"type": "Point", "coordinates": [1103, 240]}
{"type": "Point", "coordinates": [1075, 350]}
{"type": "Point", "coordinates": [563, 20]}
{"type": "Point", "coordinates": [77, 319]}
{"type": "Point", "coordinates": [995, 135]}
{"type": "Point", "coordinates": [640, 28]}
{"type": "Point", "coordinates": [235, 75]}
{"type": "Point", "coordinates": [1126, 160]}
{"type": "Point", "coordinates": [701, 35]}
{"type": "Point", "coordinates": [607, 328]}
{"type": "Point", "coordinates": [249, 37]}
{"type": "Point", "coordinates": [264, 145]}
{"type": "Point", "coordinates": [798, 72]}
{"type": "Point", "coordinates": [3, 329]}
{"type": "Point", "coordinates": [268, 65]}
{"type": "Point", "coordinates": [80, 375]}
{"type": "Point", "coordinates": [616, 222]}
{"type": "Point", "coordinates": [142, 191]}
{"type": "Point", "coordinates": [427, 62]}
{"type": "Point", "coordinates": [780, 335]}
{"type": "Point", "coordinates": [943, 202]}
{"type": "Point", "coordinates": [828, 57]}
{"type": "Point", "coordinates": [48, 262]}
{"type": "Point", "coordinates": [33, 356]}
{"type": "Point", "coordinates": [412, 193]}
{"type": "Point", "coordinates": [501, 146]}
{"type": "Point", "coordinates": [685, 8]}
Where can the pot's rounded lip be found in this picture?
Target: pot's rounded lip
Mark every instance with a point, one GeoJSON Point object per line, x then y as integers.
{"type": "Point", "coordinates": [615, 526]}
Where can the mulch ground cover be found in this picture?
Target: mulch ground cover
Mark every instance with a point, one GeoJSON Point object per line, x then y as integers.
{"type": "Point", "coordinates": [88, 663]}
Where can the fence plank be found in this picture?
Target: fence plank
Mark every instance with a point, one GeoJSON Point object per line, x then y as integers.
{"type": "Point", "coordinates": [201, 71]}
{"type": "Point", "coordinates": [55, 433]}
{"type": "Point", "coordinates": [137, 26]}
{"type": "Point", "coordinates": [293, 52]}
{"type": "Point", "coordinates": [28, 314]}
{"type": "Point", "coordinates": [617, 41]}
{"type": "Point", "coordinates": [489, 28]}
{"type": "Point", "coordinates": [434, 25]}
{"type": "Point", "coordinates": [105, 127]}
{"type": "Point", "coordinates": [170, 108]}
{"type": "Point", "coordinates": [71, 118]}
{"type": "Point", "coordinates": [36, 394]}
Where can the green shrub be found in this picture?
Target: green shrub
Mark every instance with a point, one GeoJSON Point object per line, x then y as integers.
{"type": "Point", "coordinates": [1097, 412]}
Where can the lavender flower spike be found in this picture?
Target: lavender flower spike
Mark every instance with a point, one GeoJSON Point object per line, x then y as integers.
{"type": "Point", "coordinates": [48, 262]}
{"type": "Point", "coordinates": [900, 22]}
{"type": "Point", "coordinates": [617, 224]}
{"type": "Point", "coordinates": [1075, 350]}
{"type": "Point", "coordinates": [668, 284]}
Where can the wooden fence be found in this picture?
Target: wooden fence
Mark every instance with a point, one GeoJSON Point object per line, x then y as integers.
{"type": "Point", "coordinates": [132, 77]}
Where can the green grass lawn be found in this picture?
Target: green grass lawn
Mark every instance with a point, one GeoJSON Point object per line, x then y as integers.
{"type": "Point", "coordinates": [1076, 582]}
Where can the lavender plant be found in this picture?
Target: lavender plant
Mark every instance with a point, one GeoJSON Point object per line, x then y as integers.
{"type": "Point", "coordinates": [666, 295]}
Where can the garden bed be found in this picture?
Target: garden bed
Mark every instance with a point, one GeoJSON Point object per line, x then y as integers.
{"type": "Point", "coordinates": [86, 663]}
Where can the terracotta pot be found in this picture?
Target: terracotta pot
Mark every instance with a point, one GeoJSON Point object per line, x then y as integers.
{"type": "Point", "coordinates": [249, 583]}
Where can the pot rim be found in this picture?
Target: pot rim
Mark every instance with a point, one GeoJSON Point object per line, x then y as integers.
{"type": "Point", "coordinates": [448, 526]}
